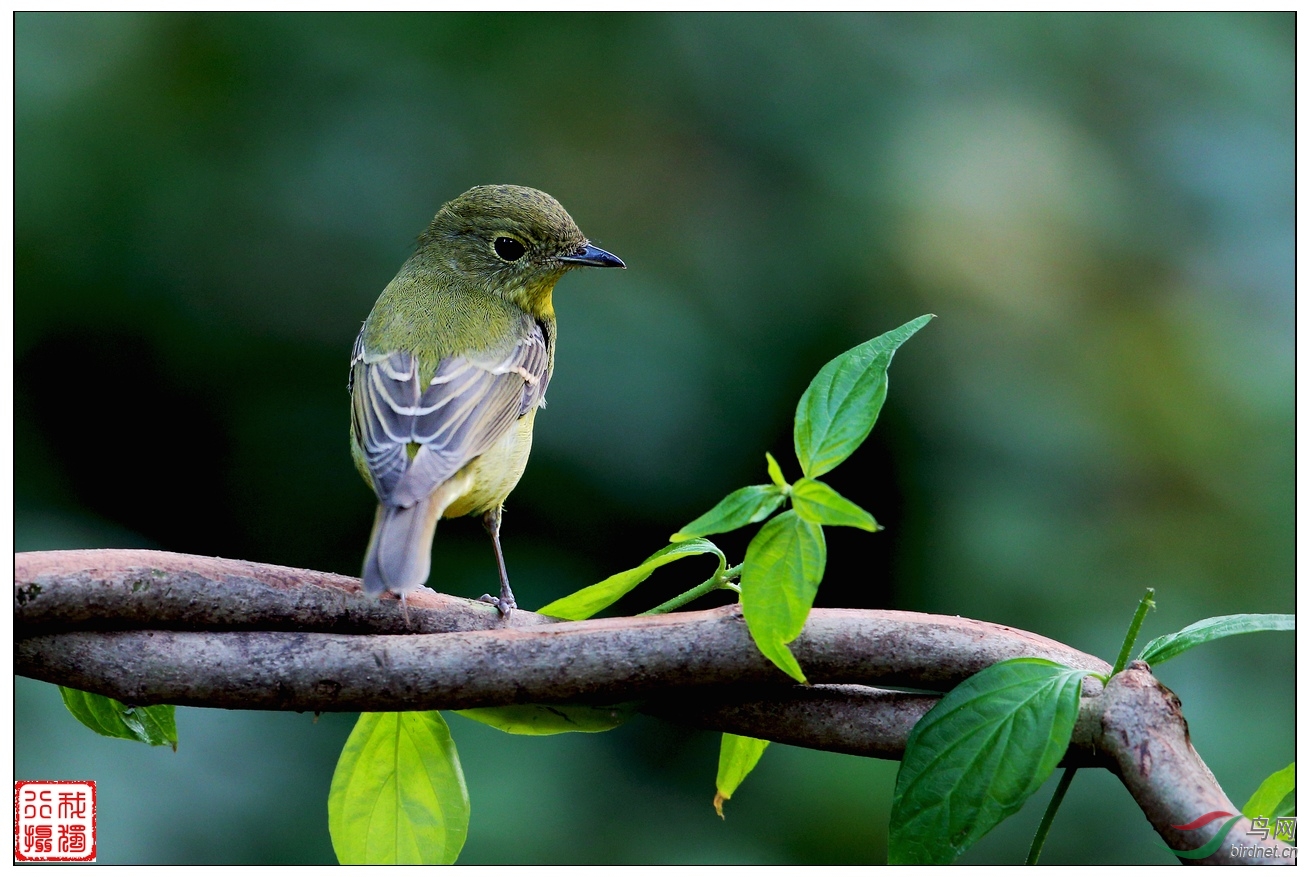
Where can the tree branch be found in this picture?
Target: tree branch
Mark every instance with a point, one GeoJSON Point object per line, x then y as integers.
{"type": "Point", "coordinates": [1139, 724]}
{"type": "Point", "coordinates": [241, 633]}
{"type": "Point", "coordinates": [152, 627]}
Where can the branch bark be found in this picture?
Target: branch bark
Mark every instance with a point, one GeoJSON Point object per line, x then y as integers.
{"type": "Point", "coordinates": [151, 627]}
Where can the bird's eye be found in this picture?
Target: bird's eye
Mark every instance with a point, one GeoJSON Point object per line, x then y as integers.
{"type": "Point", "coordinates": [509, 249]}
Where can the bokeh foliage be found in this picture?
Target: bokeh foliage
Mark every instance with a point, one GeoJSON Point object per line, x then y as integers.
{"type": "Point", "coordinates": [1098, 207]}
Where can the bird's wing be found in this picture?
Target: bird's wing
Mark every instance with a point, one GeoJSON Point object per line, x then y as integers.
{"type": "Point", "coordinates": [469, 403]}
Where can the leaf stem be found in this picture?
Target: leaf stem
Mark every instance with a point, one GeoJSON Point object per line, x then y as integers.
{"type": "Point", "coordinates": [1044, 828]}
{"type": "Point", "coordinates": [1146, 605]}
{"type": "Point", "coordinates": [713, 583]}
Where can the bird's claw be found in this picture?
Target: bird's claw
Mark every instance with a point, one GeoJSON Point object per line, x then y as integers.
{"type": "Point", "coordinates": [504, 605]}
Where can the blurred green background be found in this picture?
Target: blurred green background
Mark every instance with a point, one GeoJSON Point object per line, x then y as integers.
{"type": "Point", "coordinates": [1099, 208]}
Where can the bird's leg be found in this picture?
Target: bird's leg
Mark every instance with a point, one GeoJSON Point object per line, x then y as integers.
{"type": "Point", "coordinates": [404, 609]}
{"type": "Point", "coordinates": [505, 603]}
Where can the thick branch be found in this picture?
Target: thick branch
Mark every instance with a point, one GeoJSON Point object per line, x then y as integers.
{"type": "Point", "coordinates": [471, 664]}
{"type": "Point", "coordinates": [151, 627]}
{"type": "Point", "coordinates": [158, 590]}
{"type": "Point", "coordinates": [1139, 723]}
{"type": "Point", "coordinates": [597, 660]}
{"type": "Point", "coordinates": [853, 719]}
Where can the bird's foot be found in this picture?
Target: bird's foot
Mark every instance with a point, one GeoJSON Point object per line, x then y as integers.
{"type": "Point", "coordinates": [504, 604]}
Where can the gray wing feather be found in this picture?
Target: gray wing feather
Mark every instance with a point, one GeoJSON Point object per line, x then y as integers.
{"type": "Point", "coordinates": [463, 410]}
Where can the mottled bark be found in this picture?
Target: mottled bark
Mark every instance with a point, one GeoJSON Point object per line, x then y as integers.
{"type": "Point", "coordinates": [151, 627]}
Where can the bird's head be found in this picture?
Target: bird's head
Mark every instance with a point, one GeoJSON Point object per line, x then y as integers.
{"type": "Point", "coordinates": [511, 241]}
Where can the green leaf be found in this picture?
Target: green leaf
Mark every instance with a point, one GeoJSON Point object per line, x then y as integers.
{"type": "Point", "coordinates": [593, 598]}
{"type": "Point", "coordinates": [1269, 798]}
{"type": "Point", "coordinates": [818, 503]}
{"type": "Point", "coordinates": [840, 406]}
{"type": "Point", "coordinates": [539, 720]}
{"type": "Point", "coordinates": [104, 715]}
{"type": "Point", "coordinates": [775, 472]}
{"type": "Point", "coordinates": [781, 574]}
{"type": "Point", "coordinates": [737, 509]}
{"type": "Point", "coordinates": [737, 758]}
{"type": "Point", "coordinates": [398, 795]}
{"type": "Point", "coordinates": [978, 755]}
{"type": "Point", "coordinates": [1162, 648]}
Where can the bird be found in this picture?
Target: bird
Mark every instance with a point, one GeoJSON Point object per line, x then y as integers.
{"type": "Point", "coordinates": [448, 372]}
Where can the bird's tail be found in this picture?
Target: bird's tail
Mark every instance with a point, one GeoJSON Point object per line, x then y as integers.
{"type": "Point", "coordinates": [400, 549]}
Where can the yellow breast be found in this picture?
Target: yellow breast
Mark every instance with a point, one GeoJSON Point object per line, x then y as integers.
{"type": "Point", "coordinates": [495, 473]}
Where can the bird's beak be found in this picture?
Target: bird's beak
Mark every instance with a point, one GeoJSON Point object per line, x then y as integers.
{"type": "Point", "coordinates": [591, 256]}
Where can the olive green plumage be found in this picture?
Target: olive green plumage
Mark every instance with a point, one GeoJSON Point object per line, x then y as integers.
{"type": "Point", "coordinates": [450, 368]}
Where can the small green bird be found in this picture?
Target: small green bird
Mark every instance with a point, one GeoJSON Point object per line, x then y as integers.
{"type": "Point", "coordinates": [450, 368]}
